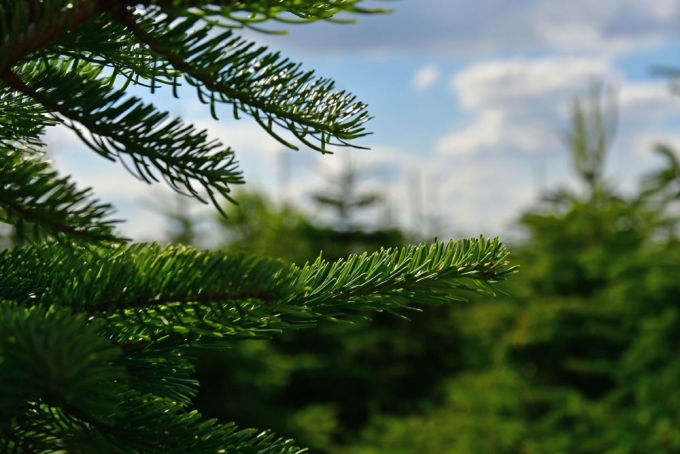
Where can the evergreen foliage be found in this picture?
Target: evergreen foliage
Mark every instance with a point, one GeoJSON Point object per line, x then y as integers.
{"type": "Point", "coordinates": [579, 357]}
{"type": "Point", "coordinates": [98, 337]}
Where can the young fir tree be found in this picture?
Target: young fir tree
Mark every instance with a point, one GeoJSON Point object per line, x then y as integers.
{"type": "Point", "coordinates": [582, 357]}
{"type": "Point", "coordinates": [97, 335]}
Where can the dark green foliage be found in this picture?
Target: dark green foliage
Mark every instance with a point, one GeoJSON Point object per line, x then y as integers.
{"type": "Point", "coordinates": [227, 69]}
{"type": "Point", "coordinates": [33, 194]}
{"type": "Point", "coordinates": [580, 357]}
{"type": "Point", "coordinates": [127, 128]}
{"type": "Point", "coordinates": [322, 385]}
{"type": "Point", "coordinates": [98, 338]}
{"type": "Point", "coordinates": [146, 291]}
{"type": "Point", "coordinates": [57, 357]}
{"type": "Point", "coordinates": [256, 226]}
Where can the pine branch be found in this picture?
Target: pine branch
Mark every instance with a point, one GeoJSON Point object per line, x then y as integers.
{"type": "Point", "coordinates": [274, 91]}
{"type": "Point", "coordinates": [145, 425]}
{"type": "Point", "coordinates": [187, 432]}
{"type": "Point", "coordinates": [57, 27]}
{"type": "Point", "coordinates": [80, 32]}
{"type": "Point", "coordinates": [163, 369]}
{"type": "Point", "coordinates": [127, 127]}
{"type": "Point", "coordinates": [65, 387]}
{"type": "Point", "coordinates": [53, 356]}
{"type": "Point", "coordinates": [97, 341]}
{"type": "Point", "coordinates": [262, 93]}
{"type": "Point", "coordinates": [417, 274]}
{"type": "Point", "coordinates": [31, 193]}
{"type": "Point", "coordinates": [247, 13]}
{"type": "Point", "coordinates": [22, 121]}
{"type": "Point", "coordinates": [109, 45]}
{"type": "Point", "coordinates": [106, 43]}
{"type": "Point", "coordinates": [147, 291]}
{"type": "Point", "coordinates": [132, 281]}
{"type": "Point", "coordinates": [10, 442]}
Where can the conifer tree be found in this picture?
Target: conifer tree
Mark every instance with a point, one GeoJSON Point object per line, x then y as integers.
{"type": "Point", "coordinates": [97, 334]}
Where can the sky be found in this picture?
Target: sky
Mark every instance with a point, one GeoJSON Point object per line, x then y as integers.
{"type": "Point", "coordinates": [470, 103]}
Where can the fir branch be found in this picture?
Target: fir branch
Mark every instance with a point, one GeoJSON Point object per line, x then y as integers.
{"type": "Point", "coordinates": [145, 291]}
{"type": "Point", "coordinates": [31, 193]}
{"type": "Point", "coordinates": [225, 69]}
{"type": "Point", "coordinates": [145, 424]}
{"type": "Point", "coordinates": [22, 121]}
{"type": "Point", "coordinates": [108, 44]}
{"type": "Point", "coordinates": [128, 127]}
{"type": "Point", "coordinates": [247, 13]}
{"type": "Point", "coordinates": [52, 355]}
{"type": "Point", "coordinates": [423, 274]}
{"type": "Point", "coordinates": [188, 432]}
{"type": "Point", "coordinates": [162, 369]}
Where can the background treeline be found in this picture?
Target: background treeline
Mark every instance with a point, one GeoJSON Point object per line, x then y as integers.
{"type": "Point", "coordinates": [580, 356]}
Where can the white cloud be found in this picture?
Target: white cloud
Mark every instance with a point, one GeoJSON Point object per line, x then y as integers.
{"type": "Point", "coordinates": [425, 77]}
{"type": "Point", "coordinates": [518, 103]}
{"type": "Point", "coordinates": [244, 136]}
{"type": "Point", "coordinates": [464, 28]}
{"type": "Point", "coordinates": [522, 105]}
{"type": "Point", "coordinates": [646, 102]}
{"type": "Point", "coordinates": [643, 146]}
{"type": "Point", "coordinates": [518, 109]}
{"type": "Point", "coordinates": [502, 82]}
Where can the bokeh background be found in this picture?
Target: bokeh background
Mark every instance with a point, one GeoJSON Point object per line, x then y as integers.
{"type": "Point", "coordinates": [551, 124]}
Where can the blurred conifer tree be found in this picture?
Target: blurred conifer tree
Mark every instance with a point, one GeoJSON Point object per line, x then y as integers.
{"type": "Point", "coordinates": [581, 357]}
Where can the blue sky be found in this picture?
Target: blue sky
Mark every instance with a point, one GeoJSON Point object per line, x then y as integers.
{"type": "Point", "coordinates": [469, 99]}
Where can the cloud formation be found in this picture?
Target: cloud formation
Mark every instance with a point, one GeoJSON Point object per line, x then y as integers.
{"type": "Point", "coordinates": [522, 104]}
{"type": "Point", "coordinates": [425, 77]}
{"type": "Point", "coordinates": [517, 104]}
{"type": "Point", "coordinates": [464, 28]}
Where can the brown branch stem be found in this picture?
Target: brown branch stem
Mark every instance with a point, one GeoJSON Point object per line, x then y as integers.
{"type": "Point", "coordinates": [47, 29]}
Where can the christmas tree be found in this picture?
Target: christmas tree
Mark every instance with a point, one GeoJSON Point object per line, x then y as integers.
{"type": "Point", "coordinates": [97, 334]}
